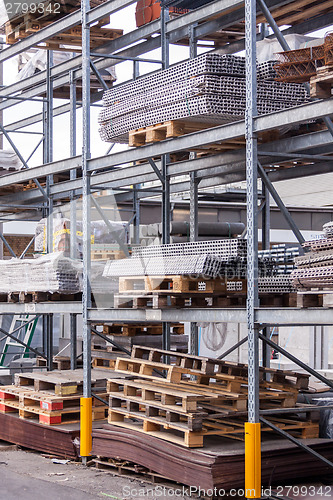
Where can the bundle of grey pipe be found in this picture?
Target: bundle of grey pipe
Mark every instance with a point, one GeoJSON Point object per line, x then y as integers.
{"type": "Point", "coordinates": [209, 88]}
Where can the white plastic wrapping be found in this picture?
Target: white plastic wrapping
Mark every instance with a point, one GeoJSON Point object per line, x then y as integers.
{"type": "Point", "coordinates": [48, 273]}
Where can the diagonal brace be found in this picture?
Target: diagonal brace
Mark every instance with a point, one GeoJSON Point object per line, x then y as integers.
{"type": "Point", "coordinates": [5, 133]}
{"type": "Point", "coordinates": [8, 245]}
{"type": "Point", "coordinates": [22, 343]}
{"type": "Point", "coordinates": [280, 204]}
{"type": "Point", "coordinates": [156, 170]}
{"type": "Point", "coordinates": [99, 76]}
{"type": "Point", "coordinates": [296, 360]}
{"type": "Point", "coordinates": [296, 441]}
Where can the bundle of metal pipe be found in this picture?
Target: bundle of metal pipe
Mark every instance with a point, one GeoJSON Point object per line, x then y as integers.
{"type": "Point", "coordinates": [228, 229]}
{"type": "Point", "coordinates": [207, 89]}
{"type": "Point", "coordinates": [315, 269]}
{"type": "Point", "coordinates": [284, 257]}
{"type": "Point", "coordinates": [186, 265]}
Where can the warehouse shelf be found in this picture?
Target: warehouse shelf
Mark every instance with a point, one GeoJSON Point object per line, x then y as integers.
{"type": "Point", "coordinates": [311, 145]}
{"type": "Point", "coordinates": [264, 317]}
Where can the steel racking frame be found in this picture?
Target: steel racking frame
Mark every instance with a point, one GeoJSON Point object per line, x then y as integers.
{"type": "Point", "coordinates": [209, 171]}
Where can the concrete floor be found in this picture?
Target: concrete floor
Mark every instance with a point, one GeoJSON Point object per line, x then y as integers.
{"type": "Point", "coordinates": [28, 475]}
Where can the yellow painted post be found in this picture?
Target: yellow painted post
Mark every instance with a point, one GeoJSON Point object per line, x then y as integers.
{"type": "Point", "coordinates": [86, 426]}
{"type": "Point", "coordinates": [252, 460]}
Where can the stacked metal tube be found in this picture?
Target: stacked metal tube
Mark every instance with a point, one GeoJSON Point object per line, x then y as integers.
{"type": "Point", "coordinates": [209, 88]}
{"type": "Point", "coordinates": [315, 269]}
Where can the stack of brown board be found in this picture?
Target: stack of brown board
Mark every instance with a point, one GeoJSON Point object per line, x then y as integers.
{"type": "Point", "coordinates": [198, 397]}
{"type": "Point", "coordinates": [220, 464]}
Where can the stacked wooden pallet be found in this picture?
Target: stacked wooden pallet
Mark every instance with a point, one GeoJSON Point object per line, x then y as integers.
{"type": "Point", "coordinates": [34, 18]}
{"type": "Point", "coordinates": [196, 397]}
{"type": "Point", "coordinates": [51, 398]}
{"type": "Point", "coordinates": [160, 292]}
{"type": "Point", "coordinates": [127, 335]}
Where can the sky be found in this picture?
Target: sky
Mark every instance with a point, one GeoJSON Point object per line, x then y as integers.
{"type": "Point", "coordinates": [125, 20]}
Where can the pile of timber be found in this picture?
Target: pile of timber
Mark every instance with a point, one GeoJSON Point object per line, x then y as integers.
{"type": "Point", "coordinates": [182, 398]}
{"type": "Point", "coordinates": [51, 398]}
{"type": "Point", "coordinates": [120, 336]}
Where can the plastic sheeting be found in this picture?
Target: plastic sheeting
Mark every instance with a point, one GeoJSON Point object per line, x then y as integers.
{"type": "Point", "coordinates": [100, 233]}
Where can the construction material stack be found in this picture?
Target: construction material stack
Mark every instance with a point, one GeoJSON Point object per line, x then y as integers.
{"type": "Point", "coordinates": [198, 397]}
{"type": "Point", "coordinates": [193, 95]}
{"type": "Point", "coordinates": [51, 398]}
{"type": "Point", "coordinates": [313, 276]}
{"type": "Point", "coordinates": [195, 274]}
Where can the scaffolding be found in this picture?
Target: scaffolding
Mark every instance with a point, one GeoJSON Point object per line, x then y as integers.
{"type": "Point", "coordinates": [86, 174]}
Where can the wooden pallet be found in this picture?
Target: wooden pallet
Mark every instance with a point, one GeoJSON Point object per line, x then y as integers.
{"type": "Point", "coordinates": [175, 418]}
{"type": "Point", "coordinates": [177, 128]}
{"type": "Point", "coordinates": [129, 470]}
{"type": "Point", "coordinates": [37, 297]}
{"type": "Point", "coordinates": [101, 255]}
{"type": "Point", "coordinates": [133, 329]}
{"type": "Point", "coordinates": [164, 299]}
{"type": "Point", "coordinates": [151, 369]}
{"type": "Point", "coordinates": [44, 400]}
{"type": "Point", "coordinates": [56, 417]}
{"type": "Point", "coordinates": [61, 383]}
{"type": "Point", "coordinates": [288, 382]}
{"type": "Point", "coordinates": [315, 298]}
{"type": "Point", "coordinates": [227, 428]}
{"type": "Point", "coordinates": [179, 284]}
{"type": "Point", "coordinates": [174, 396]}
{"type": "Point", "coordinates": [321, 84]}
{"type": "Point", "coordinates": [105, 359]}
{"type": "Point", "coordinates": [27, 24]}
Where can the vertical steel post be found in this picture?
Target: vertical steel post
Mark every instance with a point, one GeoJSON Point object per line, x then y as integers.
{"type": "Point", "coordinates": [136, 199]}
{"type": "Point", "coordinates": [86, 299]}
{"type": "Point", "coordinates": [73, 241]}
{"type": "Point", "coordinates": [266, 224]}
{"type": "Point", "coordinates": [194, 333]}
{"type": "Point", "coordinates": [49, 147]}
{"type": "Point", "coordinates": [252, 427]}
{"type": "Point", "coordinates": [166, 180]}
{"type": "Point", "coordinates": [49, 346]}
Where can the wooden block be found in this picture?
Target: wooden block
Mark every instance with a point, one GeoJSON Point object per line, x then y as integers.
{"type": "Point", "coordinates": [150, 426]}
{"type": "Point", "coordinates": [51, 405]}
{"type": "Point", "coordinates": [49, 419]}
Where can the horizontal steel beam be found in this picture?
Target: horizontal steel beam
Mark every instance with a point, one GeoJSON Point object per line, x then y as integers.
{"type": "Point", "coordinates": [190, 141]}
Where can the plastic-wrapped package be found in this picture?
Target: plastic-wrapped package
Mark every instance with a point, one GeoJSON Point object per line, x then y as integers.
{"type": "Point", "coordinates": [9, 161]}
{"type": "Point", "coordinates": [326, 418]}
{"type": "Point", "coordinates": [48, 273]}
{"type": "Point", "coordinates": [34, 61]}
{"type": "Point", "coordinates": [100, 233]}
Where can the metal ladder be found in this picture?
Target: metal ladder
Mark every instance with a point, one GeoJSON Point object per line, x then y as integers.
{"type": "Point", "coordinates": [25, 334]}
